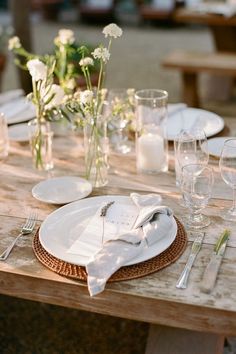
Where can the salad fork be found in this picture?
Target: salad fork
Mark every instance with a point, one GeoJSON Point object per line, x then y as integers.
{"type": "Point", "coordinates": [26, 229]}
{"type": "Point", "coordinates": [196, 246]}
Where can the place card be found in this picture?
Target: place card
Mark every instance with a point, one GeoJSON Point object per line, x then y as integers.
{"type": "Point", "coordinates": [119, 219]}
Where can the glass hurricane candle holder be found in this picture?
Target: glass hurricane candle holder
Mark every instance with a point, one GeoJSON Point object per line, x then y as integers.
{"type": "Point", "coordinates": [151, 142]}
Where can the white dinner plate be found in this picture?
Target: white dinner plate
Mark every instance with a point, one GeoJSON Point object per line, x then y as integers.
{"type": "Point", "coordinates": [62, 190]}
{"type": "Point", "coordinates": [19, 132]}
{"type": "Point", "coordinates": [63, 227]}
{"type": "Point", "coordinates": [18, 110]}
{"type": "Point", "coordinates": [215, 145]}
{"type": "Point", "coordinates": [190, 118]}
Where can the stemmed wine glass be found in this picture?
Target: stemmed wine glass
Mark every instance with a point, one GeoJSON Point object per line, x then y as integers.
{"type": "Point", "coordinates": [190, 148]}
{"type": "Point", "coordinates": [196, 184]}
{"type": "Point", "coordinates": [228, 173]}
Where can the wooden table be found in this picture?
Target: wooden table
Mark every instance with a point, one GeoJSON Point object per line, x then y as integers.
{"type": "Point", "coordinates": [181, 321]}
{"type": "Point", "coordinates": [223, 28]}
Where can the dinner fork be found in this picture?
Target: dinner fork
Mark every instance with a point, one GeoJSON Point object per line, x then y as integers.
{"type": "Point", "coordinates": [26, 229]}
{"type": "Point", "coordinates": [196, 246]}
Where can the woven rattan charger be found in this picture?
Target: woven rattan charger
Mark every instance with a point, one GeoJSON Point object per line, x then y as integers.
{"type": "Point", "coordinates": [128, 272]}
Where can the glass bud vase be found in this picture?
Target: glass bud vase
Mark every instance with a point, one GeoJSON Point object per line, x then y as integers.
{"type": "Point", "coordinates": [96, 148]}
{"type": "Point", "coordinates": [40, 136]}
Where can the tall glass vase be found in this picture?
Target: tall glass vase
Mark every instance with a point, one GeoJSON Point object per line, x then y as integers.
{"type": "Point", "coordinates": [96, 147]}
{"type": "Point", "coordinates": [40, 136]}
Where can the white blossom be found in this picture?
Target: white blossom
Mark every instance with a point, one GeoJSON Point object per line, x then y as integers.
{"type": "Point", "coordinates": [70, 84]}
{"type": "Point", "coordinates": [57, 94]}
{"type": "Point", "coordinates": [112, 30]}
{"type": "Point", "coordinates": [86, 61]}
{"type": "Point", "coordinates": [65, 36]}
{"type": "Point", "coordinates": [101, 53]}
{"type": "Point", "coordinates": [37, 69]}
{"type": "Point", "coordinates": [14, 43]}
{"type": "Point", "coordinates": [86, 97]}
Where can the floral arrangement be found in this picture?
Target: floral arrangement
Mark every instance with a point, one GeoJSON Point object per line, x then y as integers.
{"type": "Point", "coordinates": [66, 54]}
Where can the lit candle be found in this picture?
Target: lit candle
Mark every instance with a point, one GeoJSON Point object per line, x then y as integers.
{"type": "Point", "coordinates": [150, 153]}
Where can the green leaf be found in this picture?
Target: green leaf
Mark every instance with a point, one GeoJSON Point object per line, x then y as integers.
{"type": "Point", "coordinates": [223, 237]}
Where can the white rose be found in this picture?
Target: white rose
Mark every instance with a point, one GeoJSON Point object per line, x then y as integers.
{"type": "Point", "coordinates": [112, 30]}
{"type": "Point", "coordinates": [14, 43]}
{"type": "Point", "coordinates": [86, 97]}
{"type": "Point", "coordinates": [66, 36]}
{"type": "Point", "coordinates": [86, 61]}
{"type": "Point", "coordinates": [58, 95]}
{"type": "Point", "coordinates": [37, 69]}
{"type": "Point", "coordinates": [101, 53]}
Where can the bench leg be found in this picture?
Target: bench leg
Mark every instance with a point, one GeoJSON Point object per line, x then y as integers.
{"type": "Point", "coordinates": [190, 89]}
{"type": "Point", "coordinates": [168, 340]}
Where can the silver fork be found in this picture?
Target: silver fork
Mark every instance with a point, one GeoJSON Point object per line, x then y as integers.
{"type": "Point", "coordinates": [26, 229]}
{"type": "Point", "coordinates": [196, 246]}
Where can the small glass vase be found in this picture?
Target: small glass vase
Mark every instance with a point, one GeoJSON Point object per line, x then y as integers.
{"type": "Point", "coordinates": [96, 148]}
{"type": "Point", "coordinates": [40, 136]}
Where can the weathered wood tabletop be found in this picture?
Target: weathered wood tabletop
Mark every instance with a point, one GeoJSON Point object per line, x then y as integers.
{"type": "Point", "coordinates": [154, 298]}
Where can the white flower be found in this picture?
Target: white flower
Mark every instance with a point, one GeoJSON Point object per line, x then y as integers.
{"type": "Point", "coordinates": [66, 36]}
{"type": "Point", "coordinates": [86, 97]}
{"type": "Point", "coordinates": [101, 53]}
{"type": "Point", "coordinates": [58, 95]}
{"type": "Point", "coordinates": [14, 43]}
{"type": "Point", "coordinates": [70, 84]}
{"type": "Point", "coordinates": [37, 69]}
{"type": "Point", "coordinates": [112, 30]}
{"type": "Point", "coordinates": [86, 61]}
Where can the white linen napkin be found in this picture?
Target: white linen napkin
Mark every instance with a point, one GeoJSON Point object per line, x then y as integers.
{"type": "Point", "coordinates": [153, 223]}
{"type": "Point", "coordinates": [10, 95]}
{"type": "Point", "coordinates": [176, 107]}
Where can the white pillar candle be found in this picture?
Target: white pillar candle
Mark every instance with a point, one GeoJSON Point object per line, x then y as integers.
{"type": "Point", "coordinates": [150, 152]}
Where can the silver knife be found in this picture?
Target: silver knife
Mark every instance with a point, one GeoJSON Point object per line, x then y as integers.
{"type": "Point", "coordinates": [212, 269]}
{"type": "Point", "coordinates": [196, 246]}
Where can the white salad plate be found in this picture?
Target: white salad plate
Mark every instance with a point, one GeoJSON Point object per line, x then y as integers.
{"type": "Point", "coordinates": [191, 118]}
{"type": "Point", "coordinates": [62, 190]}
{"type": "Point", "coordinates": [215, 145]}
{"type": "Point", "coordinates": [18, 110]}
{"type": "Point", "coordinates": [19, 132]}
{"type": "Point", "coordinates": [63, 227]}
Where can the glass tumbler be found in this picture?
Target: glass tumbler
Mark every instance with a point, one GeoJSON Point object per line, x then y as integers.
{"type": "Point", "coordinates": [151, 142]}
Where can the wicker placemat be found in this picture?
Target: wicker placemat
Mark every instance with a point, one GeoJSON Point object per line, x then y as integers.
{"type": "Point", "coordinates": [129, 272]}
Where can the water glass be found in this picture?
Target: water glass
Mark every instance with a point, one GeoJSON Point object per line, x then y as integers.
{"type": "Point", "coordinates": [120, 112]}
{"type": "Point", "coordinates": [4, 140]}
{"type": "Point", "coordinates": [190, 148]}
{"type": "Point", "coordinates": [196, 184]}
{"type": "Point", "coordinates": [228, 173]}
{"type": "Point", "coordinates": [151, 141]}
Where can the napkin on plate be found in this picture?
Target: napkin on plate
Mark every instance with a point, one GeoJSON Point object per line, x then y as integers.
{"type": "Point", "coordinates": [153, 222]}
{"type": "Point", "coordinates": [10, 95]}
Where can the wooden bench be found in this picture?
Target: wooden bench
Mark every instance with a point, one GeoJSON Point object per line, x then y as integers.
{"type": "Point", "coordinates": [190, 64]}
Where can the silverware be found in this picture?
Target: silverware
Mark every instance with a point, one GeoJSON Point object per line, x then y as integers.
{"type": "Point", "coordinates": [27, 228]}
{"type": "Point", "coordinates": [212, 269]}
{"type": "Point", "coordinates": [196, 246]}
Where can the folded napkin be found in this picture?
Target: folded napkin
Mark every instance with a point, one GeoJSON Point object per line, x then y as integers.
{"type": "Point", "coordinates": [153, 222]}
{"type": "Point", "coordinates": [175, 107]}
{"type": "Point", "coordinates": [10, 95]}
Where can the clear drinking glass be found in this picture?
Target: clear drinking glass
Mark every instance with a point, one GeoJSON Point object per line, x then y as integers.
{"type": "Point", "coordinates": [228, 173]}
{"type": "Point", "coordinates": [196, 184]}
{"type": "Point", "coordinates": [4, 140]}
{"type": "Point", "coordinates": [190, 148]}
{"type": "Point", "coordinates": [151, 141]}
{"type": "Point", "coordinates": [120, 112]}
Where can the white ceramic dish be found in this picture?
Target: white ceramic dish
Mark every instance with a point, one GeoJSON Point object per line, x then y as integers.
{"type": "Point", "coordinates": [19, 132]}
{"type": "Point", "coordinates": [190, 118]}
{"type": "Point", "coordinates": [61, 229]}
{"type": "Point", "coordinates": [215, 145]}
{"type": "Point", "coordinates": [18, 110]}
{"type": "Point", "coordinates": [62, 190]}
